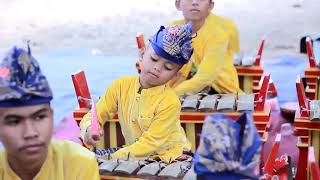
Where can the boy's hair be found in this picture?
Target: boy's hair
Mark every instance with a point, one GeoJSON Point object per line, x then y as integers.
{"type": "Point", "coordinates": [174, 43]}
{"type": "Point", "coordinates": [21, 80]}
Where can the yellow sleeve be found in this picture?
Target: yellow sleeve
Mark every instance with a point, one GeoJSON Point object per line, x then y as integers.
{"type": "Point", "coordinates": [156, 135]}
{"type": "Point", "coordinates": [106, 106]}
{"type": "Point", "coordinates": [90, 170]}
{"type": "Point", "coordinates": [211, 65]}
{"type": "Point", "coordinates": [235, 40]}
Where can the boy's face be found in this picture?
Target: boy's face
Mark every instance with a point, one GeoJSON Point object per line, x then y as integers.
{"type": "Point", "coordinates": [156, 70]}
{"type": "Point", "coordinates": [26, 132]}
{"type": "Point", "coordinates": [194, 10]}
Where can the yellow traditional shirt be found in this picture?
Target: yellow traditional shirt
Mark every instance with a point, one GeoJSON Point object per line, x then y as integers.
{"type": "Point", "coordinates": [232, 31]}
{"type": "Point", "coordinates": [65, 160]}
{"type": "Point", "coordinates": [149, 120]}
{"type": "Point", "coordinates": [214, 46]}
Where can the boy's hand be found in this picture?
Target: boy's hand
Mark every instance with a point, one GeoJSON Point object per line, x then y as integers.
{"type": "Point", "coordinates": [90, 139]}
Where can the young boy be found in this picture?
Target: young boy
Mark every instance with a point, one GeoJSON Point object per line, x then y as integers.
{"type": "Point", "coordinates": [147, 108]}
{"type": "Point", "coordinates": [26, 125]}
{"type": "Point", "coordinates": [216, 42]}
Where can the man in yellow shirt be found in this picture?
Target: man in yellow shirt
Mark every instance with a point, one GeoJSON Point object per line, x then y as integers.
{"type": "Point", "coordinates": [26, 125]}
{"type": "Point", "coordinates": [147, 108]}
{"type": "Point", "coordinates": [216, 41]}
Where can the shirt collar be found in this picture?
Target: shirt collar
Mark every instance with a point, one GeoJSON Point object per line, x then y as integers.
{"type": "Point", "coordinates": [150, 91]}
{"type": "Point", "coordinates": [7, 166]}
{"type": "Point", "coordinates": [13, 174]}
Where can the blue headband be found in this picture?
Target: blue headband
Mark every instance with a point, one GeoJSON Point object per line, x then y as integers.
{"type": "Point", "coordinates": [21, 80]}
{"type": "Point", "coordinates": [174, 43]}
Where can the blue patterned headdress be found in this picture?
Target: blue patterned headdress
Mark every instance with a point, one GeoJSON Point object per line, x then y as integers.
{"type": "Point", "coordinates": [228, 149]}
{"type": "Point", "coordinates": [174, 43]}
{"type": "Point", "coordinates": [21, 80]}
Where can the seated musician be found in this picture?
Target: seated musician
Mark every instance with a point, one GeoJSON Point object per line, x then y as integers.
{"type": "Point", "coordinates": [215, 43]}
{"type": "Point", "coordinates": [26, 125]}
{"type": "Point", "coordinates": [147, 108]}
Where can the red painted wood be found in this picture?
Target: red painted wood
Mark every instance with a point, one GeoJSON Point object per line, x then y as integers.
{"type": "Point", "coordinates": [257, 78]}
{"type": "Point", "coordinates": [268, 168]}
{"type": "Point", "coordinates": [259, 55]}
{"type": "Point", "coordinates": [314, 125]}
{"type": "Point", "coordinates": [252, 70]}
{"type": "Point", "coordinates": [302, 165]}
{"type": "Point", "coordinates": [311, 80]}
{"type": "Point", "coordinates": [312, 62]}
{"type": "Point", "coordinates": [82, 90]}
{"type": "Point", "coordinates": [261, 98]}
{"type": "Point", "coordinates": [304, 106]}
{"type": "Point", "coordinates": [79, 114]}
{"type": "Point", "coordinates": [311, 95]}
{"type": "Point", "coordinates": [141, 47]}
{"type": "Point", "coordinates": [140, 41]}
{"type": "Point", "coordinates": [301, 132]}
{"type": "Point", "coordinates": [312, 72]}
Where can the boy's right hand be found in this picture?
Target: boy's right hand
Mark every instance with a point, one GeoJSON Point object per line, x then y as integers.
{"type": "Point", "coordinates": [90, 139]}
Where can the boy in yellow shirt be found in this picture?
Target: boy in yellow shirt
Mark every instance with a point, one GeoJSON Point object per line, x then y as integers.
{"type": "Point", "coordinates": [216, 42]}
{"type": "Point", "coordinates": [147, 108]}
{"type": "Point", "coordinates": [26, 125]}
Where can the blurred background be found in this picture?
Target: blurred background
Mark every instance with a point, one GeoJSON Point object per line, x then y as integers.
{"type": "Point", "coordinates": [109, 27]}
{"type": "Point", "coordinates": [98, 36]}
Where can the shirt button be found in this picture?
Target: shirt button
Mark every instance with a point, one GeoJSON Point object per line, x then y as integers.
{"type": "Point", "coordinates": [137, 98]}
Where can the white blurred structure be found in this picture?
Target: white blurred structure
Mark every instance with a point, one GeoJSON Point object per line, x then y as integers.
{"type": "Point", "coordinates": [111, 25]}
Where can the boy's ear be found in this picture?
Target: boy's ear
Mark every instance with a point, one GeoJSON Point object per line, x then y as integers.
{"type": "Point", "coordinates": [177, 3]}
{"type": "Point", "coordinates": [176, 77]}
{"type": "Point", "coordinates": [211, 5]}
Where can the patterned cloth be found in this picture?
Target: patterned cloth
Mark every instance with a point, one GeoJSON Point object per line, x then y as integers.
{"type": "Point", "coordinates": [21, 80]}
{"type": "Point", "coordinates": [228, 149]}
{"type": "Point", "coordinates": [103, 152]}
{"type": "Point", "coordinates": [174, 43]}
